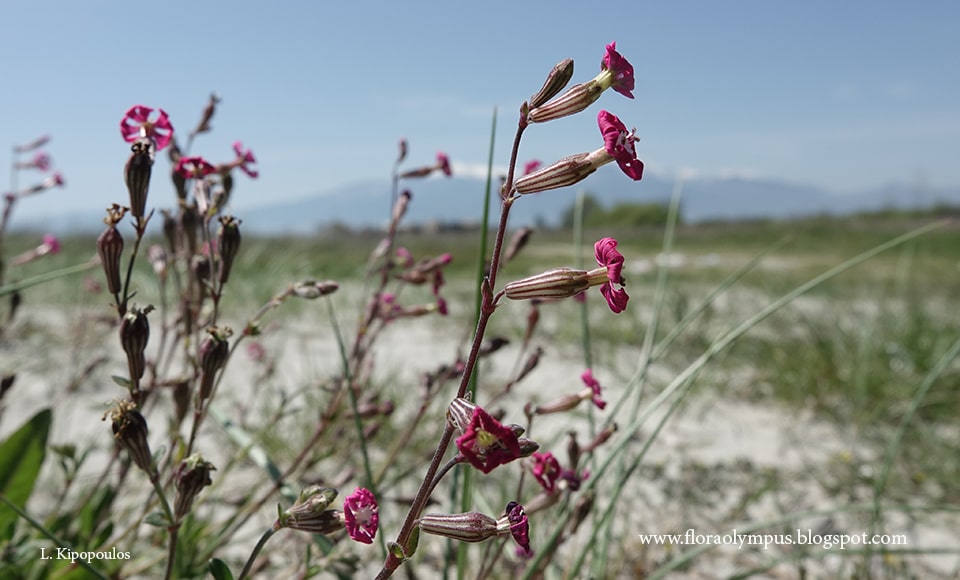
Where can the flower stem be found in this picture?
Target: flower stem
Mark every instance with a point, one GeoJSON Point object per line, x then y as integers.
{"type": "Point", "coordinates": [256, 552]}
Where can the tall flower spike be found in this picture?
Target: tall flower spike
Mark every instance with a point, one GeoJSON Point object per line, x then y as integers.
{"type": "Point", "coordinates": [361, 515]}
{"type": "Point", "coordinates": [615, 72]}
{"type": "Point", "coordinates": [136, 123]}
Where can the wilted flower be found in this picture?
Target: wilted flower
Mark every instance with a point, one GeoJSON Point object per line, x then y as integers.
{"type": "Point", "coordinates": [190, 477]}
{"type": "Point", "coordinates": [593, 389]}
{"type": "Point", "coordinates": [130, 431]}
{"type": "Point", "coordinates": [137, 174]}
{"type": "Point", "coordinates": [516, 521]}
{"type": "Point", "coordinates": [360, 511]}
{"type": "Point", "coordinates": [136, 123]}
{"type": "Point", "coordinates": [134, 336]}
{"type": "Point", "coordinates": [213, 354]}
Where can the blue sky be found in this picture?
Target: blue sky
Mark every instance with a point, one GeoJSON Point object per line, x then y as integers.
{"type": "Point", "coordinates": [845, 95]}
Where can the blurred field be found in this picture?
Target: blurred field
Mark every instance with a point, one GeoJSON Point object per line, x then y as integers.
{"type": "Point", "coordinates": [851, 354]}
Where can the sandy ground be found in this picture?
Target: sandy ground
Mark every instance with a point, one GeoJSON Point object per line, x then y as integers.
{"type": "Point", "coordinates": [700, 472]}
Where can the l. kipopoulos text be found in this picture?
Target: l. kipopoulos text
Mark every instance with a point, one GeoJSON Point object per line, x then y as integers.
{"type": "Point", "coordinates": [798, 538]}
{"type": "Point", "coordinates": [87, 556]}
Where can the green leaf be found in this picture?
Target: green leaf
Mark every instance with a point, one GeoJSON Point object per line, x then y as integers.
{"type": "Point", "coordinates": [219, 570]}
{"type": "Point", "coordinates": [21, 456]}
{"type": "Point", "coordinates": [122, 381]}
{"type": "Point", "coordinates": [158, 519]}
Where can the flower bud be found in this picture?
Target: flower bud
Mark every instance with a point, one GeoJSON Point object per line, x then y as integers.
{"type": "Point", "coordinates": [311, 289]}
{"type": "Point", "coordinates": [130, 431]}
{"type": "Point", "coordinates": [191, 476]}
{"type": "Point", "coordinates": [137, 174]}
{"type": "Point", "coordinates": [134, 335]}
{"type": "Point", "coordinates": [213, 354]}
{"type": "Point", "coordinates": [467, 527]}
{"type": "Point", "coordinates": [459, 414]}
{"type": "Point", "coordinates": [578, 98]}
{"type": "Point", "coordinates": [517, 243]}
{"type": "Point", "coordinates": [110, 248]}
{"type": "Point", "coordinates": [554, 284]}
{"type": "Point", "coordinates": [310, 513]}
{"type": "Point", "coordinates": [567, 171]}
{"type": "Point", "coordinates": [228, 242]}
{"type": "Point", "coordinates": [557, 79]}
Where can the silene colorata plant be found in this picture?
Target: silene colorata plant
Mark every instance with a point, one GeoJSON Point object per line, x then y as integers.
{"type": "Point", "coordinates": [189, 482]}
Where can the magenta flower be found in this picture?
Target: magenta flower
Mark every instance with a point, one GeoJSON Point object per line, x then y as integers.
{"type": "Point", "coordinates": [194, 167]}
{"type": "Point", "coordinates": [50, 245]}
{"type": "Point", "coordinates": [486, 443]}
{"type": "Point", "coordinates": [546, 469]}
{"type": "Point", "coordinates": [619, 69]}
{"type": "Point", "coordinates": [443, 164]}
{"type": "Point", "coordinates": [615, 73]}
{"type": "Point", "coordinates": [243, 160]}
{"type": "Point", "coordinates": [519, 525]}
{"type": "Point", "coordinates": [531, 166]}
{"type": "Point", "coordinates": [605, 251]}
{"type": "Point", "coordinates": [136, 124]}
{"type": "Point", "coordinates": [594, 385]}
{"type": "Point", "coordinates": [620, 144]}
{"type": "Point", "coordinates": [40, 162]}
{"type": "Point", "coordinates": [361, 517]}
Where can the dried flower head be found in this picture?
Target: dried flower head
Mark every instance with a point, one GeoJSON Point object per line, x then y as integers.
{"type": "Point", "coordinates": [130, 431]}
{"type": "Point", "coordinates": [190, 477]}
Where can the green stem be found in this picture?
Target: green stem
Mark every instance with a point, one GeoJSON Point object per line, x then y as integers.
{"type": "Point", "coordinates": [256, 552]}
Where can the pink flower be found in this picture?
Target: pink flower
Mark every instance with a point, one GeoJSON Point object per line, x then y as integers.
{"type": "Point", "coordinates": [620, 69]}
{"type": "Point", "coordinates": [486, 443]}
{"type": "Point", "coordinates": [194, 167]}
{"type": "Point", "coordinates": [136, 124]}
{"type": "Point", "coordinates": [605, 251]}
{"type": "Point", "coordinates": [41, 161]}
{"type": "Point", "coordinates": [519, 525]}
{"type": "Point", "coordinates": [620, 144]}
{"type": "Point", "coordinates": [531, 166]}
{"type": "Point", "coordinates": [50, 245]}
{"type": "Point", "coordinates": [546, 469]}
{"type": "Point", "coordinates": [360, 514]}
{"type": "Point", "coordinates": [443, 164]}
{"type": "Point", "coordinates": [594, 386]}
{"type": "Point", "coordinates": [244, 158]}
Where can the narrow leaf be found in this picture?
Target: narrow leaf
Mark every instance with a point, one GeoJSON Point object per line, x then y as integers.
{"type": "Point", "coordinates": [21, 456]}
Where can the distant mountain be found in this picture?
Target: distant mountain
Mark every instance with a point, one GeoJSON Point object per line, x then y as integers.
{"type": "Point", "coordinates": [459, 200]}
